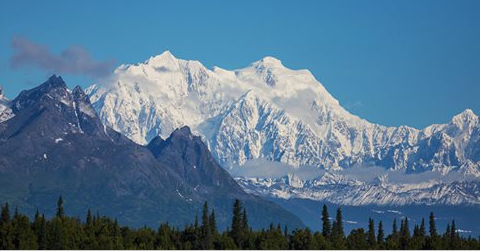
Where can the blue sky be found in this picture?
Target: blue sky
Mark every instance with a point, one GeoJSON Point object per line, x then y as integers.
{"type": "Point", "coordinates": [391, 62]}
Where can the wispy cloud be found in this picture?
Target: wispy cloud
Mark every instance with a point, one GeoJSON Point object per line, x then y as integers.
{"type": "Point", "coordinates": [73, 60]}
{"type": "Point", "coordinates": [262, 168]}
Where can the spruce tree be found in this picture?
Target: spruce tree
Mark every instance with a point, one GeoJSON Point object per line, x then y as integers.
{"type": "Point", "coordinates": [453, 230]}
{"type": "Point", "coordinates": [404, 234]}
{"type": "Point", "coordinates": [394, 227]}
{"type": "Point", "coordinates": [433, 241]}
{"type": "Point", "coordinates": [5, 213]}
{"type": "Point", "coordinates": [247, 240]}
{"type": "Point", "coordinates": [357, 239]}
{"type": "Point", "coordinates": [196, 234]}
{"type": "Point", "coordinates": [23, 237]}
{"type": "Point", "coordinates": [164, 238]}
{"type": "Point", "coordinates": [371, 234]}
{"type": "Point", "coordinates": [6, 238]}
{"type": "Point", "coordinates": [326, 226]}
{"type": "Point", "coordinates": [89, 219]}
{"type": "Point", "coordinates": [433, 228]}
{"type": "Point", "coordinates": [338, 235]}
{"type": "Point", "coordinates": [16, 214]}
{"type": "Point", "coordinates": [213, 223]}
{"type": "Point", "coordinates": [236, 231]}
{"type": "Point", "coordinates": [39, 229]}
{"type": "Point", "coordinates": [246, 227]}
{"type": "Point", "coordinates": [60, 211]}
{"type": "Point", "coordinates": [206, 232]}
{"type": "Point", "coordinates": [454, 237]}
{"type": "Point", "coordinates": [380, 236]}
{"type": "Point", "coordinates": [422, 230]}
{"type": "Point", "coordinates": [392, 239]}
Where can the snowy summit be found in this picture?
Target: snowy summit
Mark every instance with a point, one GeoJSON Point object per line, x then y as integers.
{"type": "Point", "coordinates": [267, 111]}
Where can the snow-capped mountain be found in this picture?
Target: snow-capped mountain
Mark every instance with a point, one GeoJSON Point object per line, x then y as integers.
{"type": "Point", "coordinates": [344, 190]}
{"type": "Point", "coordinates": [55, 144]}
{"type": "Point", "coordinates": [5, 111]}
{"type": "Point", "coordinates": [267, 111]}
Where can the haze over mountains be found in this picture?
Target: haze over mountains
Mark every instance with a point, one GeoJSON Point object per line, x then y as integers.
{"type": "Point", "coordinates": [52, 143]}
{"type": "Point", "coordinates": [269, 114]}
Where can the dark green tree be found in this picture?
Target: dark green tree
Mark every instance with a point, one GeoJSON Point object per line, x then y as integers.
{"type": "Point", "coordinates": [60, 211]}
{"type": "Point", "coordinates": [6, 238]}
{"type": "Point", "coordinates": [39, 229]}
{"type": "Point", "coordinates": [206, 231]}
{"type": "Point", "coordinates": [380, 236]}
{"type": "Point", "coordinates": [213, 223]}
{"type": "Point", "coordinates": [302, 239]}
{"type": "Point", "coordinates": [446, 240]}
{"type": "Point", "coordinates": [418, 239]}
{"type": "Point", "coordinates": [23, 236]}
{"type": "Point", "coordinates": [338, 235]}
{"type": "Point", "coordinates": [371, 240]}
{"type": "Point", "coordinates": [404, 234]}
{"type": "Point", "coordinates": [422, 230]}
{"type": "Point", "coordinates": [100, 232]}
{"type": "Point", "coordinates": [432, 228]}
{"type": "Point", "coordinates": [392, 241]}
{"type": "Point", "coordinates": [89, 218]}
{"type": "Point", "coordinates": [5, 213]}
{"type": "Point", "coordinates": [246, 227]}
{"type": "Point", "coordinates": [164, 238]}
{"type": "Point", "coordinates": [321, 242]}
{"type": "Point", "coordinates": [433, 241]}
{"type": "Point", "coordinates": [357, 239]}
{"type": "Point", "coordinates": [247, 238]}
{"type": "Point", "coordinates": [326, 225]}
{"type": "Point", "coordinates": [237, 227]}
{"type": "Point", "coordinates": [455, 242]}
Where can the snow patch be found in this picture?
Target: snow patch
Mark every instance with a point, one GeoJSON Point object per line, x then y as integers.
{"type": "Point", "coordinates": [179, 194]}
{"type": "Point", "coordinates": [394, 211]}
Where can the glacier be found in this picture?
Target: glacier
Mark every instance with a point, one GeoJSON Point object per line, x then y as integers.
{"type": "Point", "coordinates": [267, 111]}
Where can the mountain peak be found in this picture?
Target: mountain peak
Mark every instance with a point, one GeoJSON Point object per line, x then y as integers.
{"type": "Point", "coordinates": [53, 88]}
{"type": "Point", "coordinates": [164, 59]}
{"type": "Point", "coordinates": [466, 116]}
{"type": "Point", "coordinates": [468, 113]}
{"type": "Point", "coordinates": [54, 81]}
{"type": "Point", "coordinates": [268, 62]}
{"type": "Point", "coordinates": [78, 93]}
{"type": "Point", "coordinates": [77, 89]}
{"type": "Point", "coordinates": [182, 131]}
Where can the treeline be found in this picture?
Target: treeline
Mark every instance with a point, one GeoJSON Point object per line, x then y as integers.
{"type": "Point", "coordinates": [100, 232]}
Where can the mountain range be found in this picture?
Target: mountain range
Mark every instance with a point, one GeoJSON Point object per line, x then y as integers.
{"type": "Point", "coordinates": [52, 143]}
{"type": "Point", "coordinates": [266, 113]}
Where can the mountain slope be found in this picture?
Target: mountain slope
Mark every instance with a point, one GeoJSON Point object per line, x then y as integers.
{"type": "Point", "coordinates": [187, 156]}
{"type": "Point", "coordinates": [267, 111]}
{"type": "Point", "coordinates": [55, 144]}
{"type": "Point", "coordinates": [5, 111]}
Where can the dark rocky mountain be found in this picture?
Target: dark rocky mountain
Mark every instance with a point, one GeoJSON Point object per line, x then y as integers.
{"type": "Point", "coordinates": [54, 144]}
{"type": "Point", "coordinates": [190, 159]}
